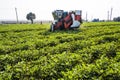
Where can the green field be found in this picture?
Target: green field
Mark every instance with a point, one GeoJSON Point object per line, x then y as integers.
{"type": "Point", "coordinates": [31, 52]}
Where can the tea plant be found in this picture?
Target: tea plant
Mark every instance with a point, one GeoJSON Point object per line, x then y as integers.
{"type": "Point", "coordinates": [32, 52]}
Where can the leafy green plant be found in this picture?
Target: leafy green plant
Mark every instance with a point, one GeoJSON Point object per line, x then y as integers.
{"type": "Point", "coordinates": [31, 52]}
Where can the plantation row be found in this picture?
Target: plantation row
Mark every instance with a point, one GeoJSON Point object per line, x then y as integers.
{"type": "Point", "coordinates": [31, 52]}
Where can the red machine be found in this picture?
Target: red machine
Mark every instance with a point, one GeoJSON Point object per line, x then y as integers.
{"type": "Point", "coordinates": [66, 20]}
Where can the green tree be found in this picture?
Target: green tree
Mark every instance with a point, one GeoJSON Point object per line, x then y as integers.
{"type": "Point", "coordinates": [116, 19]}
{"type": "Point", "coordinates": [30, 16]}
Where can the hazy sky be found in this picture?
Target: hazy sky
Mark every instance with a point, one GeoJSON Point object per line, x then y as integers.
{"type": "Point", "coordinates": [43, 8]}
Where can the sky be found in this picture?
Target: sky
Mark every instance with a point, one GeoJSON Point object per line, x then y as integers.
{"type": "Point", "coordinates": [43, 8]}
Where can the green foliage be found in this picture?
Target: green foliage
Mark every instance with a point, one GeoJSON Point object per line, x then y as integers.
{"type": "Point", "coordinates": [31, 52]}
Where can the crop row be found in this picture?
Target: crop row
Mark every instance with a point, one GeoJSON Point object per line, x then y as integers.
{"type": "Point", "coordinates": [32, 52]}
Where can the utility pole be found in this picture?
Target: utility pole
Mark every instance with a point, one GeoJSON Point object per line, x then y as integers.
{"type": "Point", "coordinates": [91, 18]}
{"type": "Point", "coordinates": [108, 16]}
{"type": "Point", "coordinates": [16, 14]}
{"type": "Point", "coordinates": [111, 14]}
{"type": "Point", "coordinates": [86, 16]}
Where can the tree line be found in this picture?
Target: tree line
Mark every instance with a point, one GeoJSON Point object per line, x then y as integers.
{"type": "Point", "coordinates": [116, 19]}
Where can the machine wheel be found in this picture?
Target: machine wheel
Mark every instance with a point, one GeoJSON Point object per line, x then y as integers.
{"type": "Point", "coordinates": [52, 28]}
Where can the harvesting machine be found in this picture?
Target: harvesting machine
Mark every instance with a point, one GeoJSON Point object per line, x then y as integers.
{"type": "Point", "coordinates": [66, 20]}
